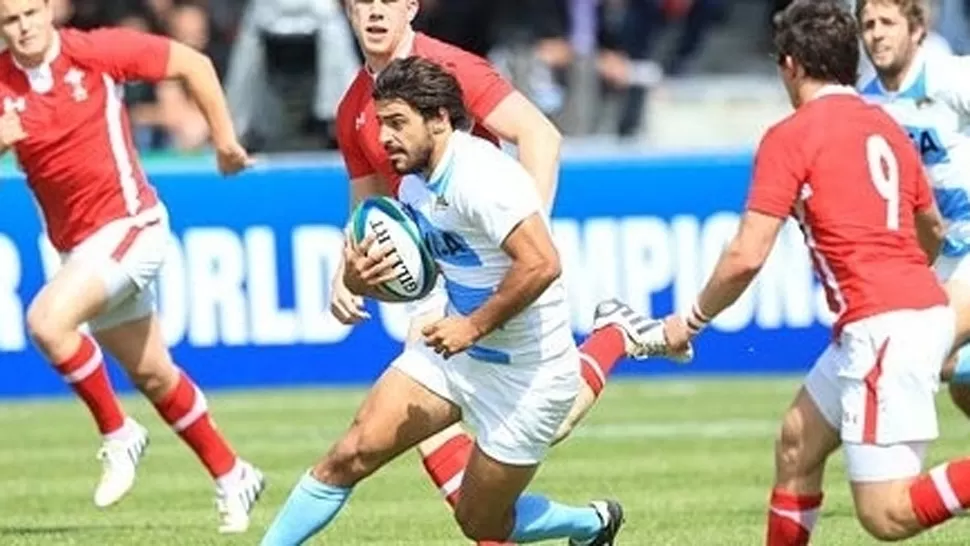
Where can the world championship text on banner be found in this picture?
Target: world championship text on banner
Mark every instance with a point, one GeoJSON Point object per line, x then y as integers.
{"type": "Point", "coordinates": [244, 294]}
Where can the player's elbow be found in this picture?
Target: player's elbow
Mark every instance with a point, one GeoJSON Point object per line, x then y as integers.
{"type": "Point", "coordinates": [546, 268]}
{"type": "Point", "coordinates": [189, 64]}
{"type": "Point", "coordinates": [747, 262]}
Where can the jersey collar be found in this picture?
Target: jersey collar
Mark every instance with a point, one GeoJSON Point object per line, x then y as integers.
{"type": "Point", "coordinates": [52, 52]}
{"type": "Point", "coordinates": [404, 49]}
{"type": "Point", "coordinates": [833, 89]}
{"type": "Point", "coordinates": [438, 181]}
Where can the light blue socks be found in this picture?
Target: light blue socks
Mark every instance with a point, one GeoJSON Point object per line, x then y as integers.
{"type": "Point", "coordinates": [537, 518]}
{"type": "Point", "coordinates": [311, 506]}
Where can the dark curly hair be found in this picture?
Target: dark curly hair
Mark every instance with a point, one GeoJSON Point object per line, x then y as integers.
{"type": "Point", "coordinates": [424, 86]}
{"type": "Point", "coordinates": [820, 35]}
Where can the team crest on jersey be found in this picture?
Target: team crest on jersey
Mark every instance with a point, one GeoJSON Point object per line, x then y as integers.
{"type": "Point", "coordinates": [360, 121]}
{"type": "Point", "coordinates": [11, 104]}
{"type": "Point", "coordinates": [75, 79]}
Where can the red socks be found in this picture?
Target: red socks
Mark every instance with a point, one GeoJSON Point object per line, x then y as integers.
{"type": "Point", "coordinates": [791, 518]}
{"type": "Point", "coordinates": [941, 494]}
{"type": "Point", "coordinates": [186, 411]}
{"type": "Point", "coordinates": [84, 371]}
{"type": "Point", "coordinates": [599, 353]}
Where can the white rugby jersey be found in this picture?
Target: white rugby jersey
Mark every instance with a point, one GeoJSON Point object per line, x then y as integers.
{"type": "Point", "coordinates": [933, 105]}
{"type": "Point", "coordinates": [474, 198]}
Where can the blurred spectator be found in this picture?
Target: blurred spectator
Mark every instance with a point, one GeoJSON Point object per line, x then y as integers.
{"type": "Point", "coordinates": [291, 63]}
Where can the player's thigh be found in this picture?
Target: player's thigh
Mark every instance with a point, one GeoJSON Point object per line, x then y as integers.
{"type": "Point", "coordinates": [890, 377]}
{"type": "Point", "coordinates": [809, 429]}
{"type": "Point", "coordinates": [407, 404]}
{"type": "Point", "coordinates": [880, 479]}
{"type": "Point", "coordinates": [516, 409]}
{"type": "Point", "coordinates": [489, 491]}
{"type": "Point", "coordinates": [75, 294]}
{"type": "Point", "coordinates": [106, 270]}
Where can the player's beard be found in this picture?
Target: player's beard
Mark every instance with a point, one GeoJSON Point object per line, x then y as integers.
{"type": "Point", "coordinates": [418, 161]}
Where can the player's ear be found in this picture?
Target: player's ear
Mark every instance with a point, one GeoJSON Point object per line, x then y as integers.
{"type": "Point", "coordinates": [413, 6]}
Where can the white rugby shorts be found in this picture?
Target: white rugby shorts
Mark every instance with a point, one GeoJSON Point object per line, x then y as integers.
{"type": "Point", "coordinates": [128, 254]}
{"type": "Point", "coordinates": [877, 385]}
{"type": "Point", "coordinates": [515, 409]}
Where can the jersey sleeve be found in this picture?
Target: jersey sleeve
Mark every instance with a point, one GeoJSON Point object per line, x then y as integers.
{"type": "Point", "coordinates": [349, 143]}
{"type": "Point", "coordinates": [498, 203]}
{"type": "Point", "coordinates": [482, 85]}
{"type": "Point", "coordinates": [778, 175]}
{"type": "Point", "coordinates": [127, 54]}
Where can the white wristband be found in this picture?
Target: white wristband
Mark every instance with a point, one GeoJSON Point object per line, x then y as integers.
{"type": "Point", "coordinates": [696, 320]}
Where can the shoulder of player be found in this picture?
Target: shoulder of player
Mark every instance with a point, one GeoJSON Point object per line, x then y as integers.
{"type": "Point", "coordinates": [82, 47]}
{"type": "Point", "coordinates": [479, 163]}
{"type": "Point", "coordinates": [447, 55]}
{"type": "Point", "coordinates": [350, 103]}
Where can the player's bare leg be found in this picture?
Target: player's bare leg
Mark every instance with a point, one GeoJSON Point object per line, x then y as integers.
{"type": "Point", "coordinates": [139, 347]}
{"type": "Point", "coordinates": [803, 445]}
{"type": "Point", "coordinates": [493, 507]}
{"type": "Point", "coordinates": [75, 295]}
{"type": "Point", "coordinates": [396, 415]}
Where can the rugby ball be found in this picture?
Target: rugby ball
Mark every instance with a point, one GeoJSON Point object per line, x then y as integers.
{"type": "Point", "coordinates": [388, 221]}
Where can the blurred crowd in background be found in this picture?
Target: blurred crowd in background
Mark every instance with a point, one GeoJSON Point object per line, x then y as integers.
{"type": "Point", "coordinates": [590, 64]}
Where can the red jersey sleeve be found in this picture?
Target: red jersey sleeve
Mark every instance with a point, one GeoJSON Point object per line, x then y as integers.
{"type": "Point", "coordinates": [127, 54]}
{"type": "Point", "coordinates": [348, 140]}
{"type": "Point", "coordinates": [778, 174]}
{"type": "Point", "coordinates": [483, 87]}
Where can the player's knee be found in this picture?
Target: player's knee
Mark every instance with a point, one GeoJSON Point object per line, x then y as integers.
{"type": "Point", "coordinates": [791, 449]}
{"type": "Point", "coordinates": [351, 459]}
{"type": "Point", "coordinates": [154, 377]}
{"type": "Point", "coordinates": [889, 520]}
{"type": "Point", "coordinates": [46, 330]}
{"type": "Point", "coordinates": [960, 394]}
{"type": "Point", "coordinates": [480, 524]}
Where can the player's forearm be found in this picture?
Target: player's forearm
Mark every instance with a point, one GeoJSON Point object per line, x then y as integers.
{"type": "Point", "coordinates": [198, 73]}
{"type": "Point", "coordinates": [732, 276]}
{"type": "Point", "coordinates": [539, 153]}
{"type": "Point", "coordinates": [524, 282]}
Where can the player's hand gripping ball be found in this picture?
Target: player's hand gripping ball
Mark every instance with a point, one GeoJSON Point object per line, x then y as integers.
{"type": "Point", "coordinates": [387, 222]}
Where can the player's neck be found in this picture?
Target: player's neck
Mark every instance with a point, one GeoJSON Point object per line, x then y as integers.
{"type": "Point", "coordinates": [376, 63]}
{"type": "Point", "coordinates": [893, 81]}
{"type": "Point", "coordinates": [438, 152]}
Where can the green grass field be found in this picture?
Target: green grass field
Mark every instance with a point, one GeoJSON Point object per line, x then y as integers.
{"type": "Point", "coordinates": [691, 461]}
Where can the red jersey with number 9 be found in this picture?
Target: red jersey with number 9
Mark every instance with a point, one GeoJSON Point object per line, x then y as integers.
{"type": "Point", "coordinates": [850, 176]}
